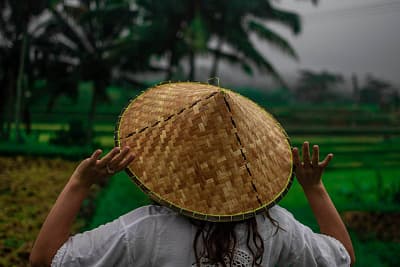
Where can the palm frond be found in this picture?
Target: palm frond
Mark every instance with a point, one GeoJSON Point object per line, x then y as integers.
{"type": "Point", "coordinates": [289, 19]}
{"type": "Point", "coordinates": [241, 44]}
{"type": "Point", "coordinates": [283, 17]}
{"type": "Point", "coordinates": [71, 29]}
{"type": "Point", "coordinates": [272, 37]}
{"type": "Point", "coordinates": [235, 59]}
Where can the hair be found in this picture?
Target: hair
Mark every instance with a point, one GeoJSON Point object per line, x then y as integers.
{"type": "Point", "coordinates": [216, 241]}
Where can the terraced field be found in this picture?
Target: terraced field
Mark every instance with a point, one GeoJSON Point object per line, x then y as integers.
{"type": "Point", "coordinates": [29, 186]}
{"type": "Point", "coordinates": [363, 176]}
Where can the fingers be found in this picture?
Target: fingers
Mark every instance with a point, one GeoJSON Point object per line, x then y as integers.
{"type": "Point", "coordinates": [122, 160]}
{"type": "Point", "coordinates": [95, 156]}
{"type": "Point", "coordinates": [107, 158]}
{"type": "Point", "coordinates": [120, 156]}
{"type": "Point", "coordinates": [296, 157]}
{"type": "Point", "coordinates": [306, 156]}
{"type": "Point", "coordinates": [306, 153]}
{"type": "Point", "coordinates": [124, 163]}
{"type": "Point", "coordinates": [326, 161]}
{"type": "Point", "coordinates": [315, 155]}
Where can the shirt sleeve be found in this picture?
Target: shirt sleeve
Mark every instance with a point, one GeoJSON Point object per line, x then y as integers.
{"type": "Point", "coordinates": [103, 246]}
{"type": "Point", "coordinates": [305, 248]}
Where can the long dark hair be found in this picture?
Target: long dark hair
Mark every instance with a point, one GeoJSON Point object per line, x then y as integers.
{"type": "Point", "coordinates": [216, 242]}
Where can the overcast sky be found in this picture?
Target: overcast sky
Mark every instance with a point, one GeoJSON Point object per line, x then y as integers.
{"type": "Point", "coordinates": [340, 36]}
{"type": "Point", "coordinates": [346, 36]}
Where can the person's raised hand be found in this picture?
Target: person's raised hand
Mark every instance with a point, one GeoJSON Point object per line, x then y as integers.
{"type": "Point", "coordinates": [309, 170]}
{"type": "Point", "coordinates": [95, 169]}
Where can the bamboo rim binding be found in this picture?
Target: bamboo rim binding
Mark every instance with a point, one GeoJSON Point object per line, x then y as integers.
{"type": "Point", "coordinates": [205, 151]}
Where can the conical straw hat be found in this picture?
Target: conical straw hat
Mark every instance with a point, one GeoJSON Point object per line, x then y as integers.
{"type": "Point", "coordinates": [205, 151]}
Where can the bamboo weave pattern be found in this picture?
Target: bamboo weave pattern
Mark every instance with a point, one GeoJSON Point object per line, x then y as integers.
{"type": "Point", "coordinates": [205, 151]}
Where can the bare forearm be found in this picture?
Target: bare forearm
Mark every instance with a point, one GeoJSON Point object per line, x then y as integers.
{"type": "Point", "coordinates": [327, 216]}
{"type": "Point", "coordinates": [56, 228]}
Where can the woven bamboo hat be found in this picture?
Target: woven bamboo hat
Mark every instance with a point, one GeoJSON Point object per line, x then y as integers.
{"type": "Point", "coordinates": [205, 151]}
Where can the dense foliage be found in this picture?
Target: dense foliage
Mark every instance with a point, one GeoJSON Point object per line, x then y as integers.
{"type": "Point", "coordinates": [59, 44]}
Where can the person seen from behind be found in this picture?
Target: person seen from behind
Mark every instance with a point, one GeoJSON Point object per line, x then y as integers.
{"type": "Point", "coordinates": [215, 164]}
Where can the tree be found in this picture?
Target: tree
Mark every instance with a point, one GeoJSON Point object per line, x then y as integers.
{"type": "Point", "coordinates": [15, 18]}
{"type": "Point", "coordinates": [184, 29]}
{"type": "Point", "coordinates": [90, 41]}
{"type": "Point", "coordinates": [238, 22]}
{"type": "Point", "coordinates": [108, 41]}
{"type": "Point", "coordinates": [379, 92]}
{"type": "Point", "coordinates": [314, 87]}
{"type": "Point", "coordinates": [163, 28]}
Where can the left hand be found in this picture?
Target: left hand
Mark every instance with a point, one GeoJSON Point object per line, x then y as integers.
{"type": "Point", "coordinates": [94, 170]}
{"type": "Point", "coordinates": [309, 170]}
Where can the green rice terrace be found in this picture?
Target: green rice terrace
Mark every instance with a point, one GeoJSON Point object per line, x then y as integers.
{"type": "Point", "coordinates": [363, 179]}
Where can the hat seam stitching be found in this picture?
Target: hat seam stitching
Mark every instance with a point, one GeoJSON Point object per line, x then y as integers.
{"type": "Point", "coordinates": [191, 213]}
{"type": "Point", "coordinates": [241, 151]}
{"type": "Point", "coordinates": [169, 116]}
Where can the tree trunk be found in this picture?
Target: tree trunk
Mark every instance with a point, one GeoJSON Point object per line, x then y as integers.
{"type": "Point", "coordinates": [168, 77]}
{"type": "Point", "coordinates": [91, 115]}
{"type": "Point", "coordinates": [20, 80]}
{"type": "Point", "coordinates": [9, 104]}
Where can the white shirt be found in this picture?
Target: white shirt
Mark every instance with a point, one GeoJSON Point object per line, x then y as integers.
{"type": "Point", "coordinates": [157, 236]}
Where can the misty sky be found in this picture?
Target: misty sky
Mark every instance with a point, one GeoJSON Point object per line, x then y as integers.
{"type": "Point", "coordinates": [339, 36]}
{"type": "Point", "coordinates": [345, 36]}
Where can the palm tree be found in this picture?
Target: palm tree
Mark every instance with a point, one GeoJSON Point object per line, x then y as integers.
{"type": "Point", "coordinates": [88, 42]}
{"type": "Point", "coordinates": [317, 87]}
{"type": "Point", "coordinates": [15, 18]}
{"type": "Point", "coordinates": [162, 29]}
{"type": "Point", "coordinates": [186, 28]}
{"type": "Point", "coordinates": [377, 91]}
{"type": "Point", "coordinates": [234, 27]}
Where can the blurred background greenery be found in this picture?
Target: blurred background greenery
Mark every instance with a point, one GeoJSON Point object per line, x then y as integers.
{"type": "Point", "coordinates": [69, 67]}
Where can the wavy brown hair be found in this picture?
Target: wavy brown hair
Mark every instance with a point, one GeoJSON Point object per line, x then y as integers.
{"type": "Point", "coordinates": [217, 241]}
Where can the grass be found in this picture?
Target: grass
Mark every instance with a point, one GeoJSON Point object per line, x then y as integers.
{"type": "Point", "coordinates": [353, 189]}
{"type": "Point", "coordinates": [119, 197]}
{"type": "Point", "coordinates": [45, 150]}
{"type": "Point", "coordinates": [28, 189]}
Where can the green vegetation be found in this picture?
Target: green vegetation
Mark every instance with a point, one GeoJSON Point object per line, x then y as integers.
{"type": "Point", "coordinates": [119, 197]}
{"type": "Point", "coordinates": [363, 176]}
{"type": "Point", "coordinates": [28, 188]}
{"type": "Point", "coordinates": [65, 78]}
{"type": "Point", "coordinates": [49, 47]}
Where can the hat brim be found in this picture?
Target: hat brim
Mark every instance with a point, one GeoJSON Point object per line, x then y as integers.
{"type": "Point", "coordinates": [251, 154]}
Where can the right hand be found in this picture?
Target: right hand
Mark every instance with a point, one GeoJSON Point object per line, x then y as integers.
{"type": "Point", "coordinates": [309, 171]}
{"type": "Point", "coordinates": [96, 169]}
